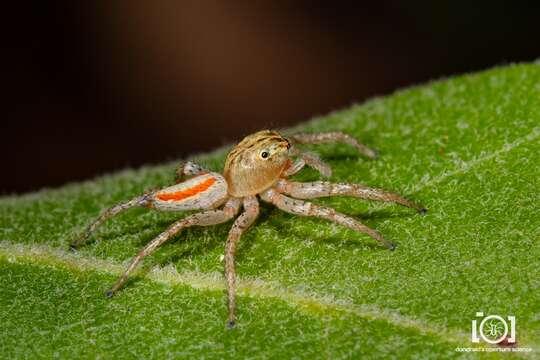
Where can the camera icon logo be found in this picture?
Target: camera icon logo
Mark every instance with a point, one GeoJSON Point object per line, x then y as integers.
{"type": "Point", "coordinates": [493, 329]}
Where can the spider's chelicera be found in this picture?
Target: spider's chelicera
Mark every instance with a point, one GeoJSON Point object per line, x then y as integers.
{"type": "Point", "coordinates": [258, 167]}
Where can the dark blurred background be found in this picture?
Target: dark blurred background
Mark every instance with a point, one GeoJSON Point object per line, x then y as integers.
{"type": "Point", "coordinates": [94, 86]}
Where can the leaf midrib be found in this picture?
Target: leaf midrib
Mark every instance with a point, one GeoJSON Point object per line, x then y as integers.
{"type": "Point", "coordinates": [253, 287]}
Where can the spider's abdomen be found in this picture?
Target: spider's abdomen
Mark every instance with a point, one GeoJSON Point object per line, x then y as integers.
{"type": "Point", "coordinates": [200, 192]}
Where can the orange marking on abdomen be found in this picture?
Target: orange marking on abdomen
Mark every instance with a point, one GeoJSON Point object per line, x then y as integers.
{"type": "Point", "coordinates": [180, 195]}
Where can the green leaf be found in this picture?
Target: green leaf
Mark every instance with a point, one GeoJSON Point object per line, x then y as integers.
{"type": "Point", "coordinates": [467, 148]}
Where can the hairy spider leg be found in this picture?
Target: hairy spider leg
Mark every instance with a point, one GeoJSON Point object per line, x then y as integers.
{"type": "Point", "coordinates": [320, 138]}
{"type": "Point", "coordinates": [205, 191]}
{"type": "Point", "coordinates": [242, 223]}
{"type": "Point", "coordinates": [206, 218]}
{"type": "Point", "coordinates": [110, 212]}
{"type": "Point", "coordinates": [305, 208]}
{"type": "Point", "coordinates": [317, 189]}
{"type": "Point", "coordinates": [313, 160]}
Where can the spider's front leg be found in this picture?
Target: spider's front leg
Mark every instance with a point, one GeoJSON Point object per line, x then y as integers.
{"type": "Point", "coordinates": [317, 189]}
{"type": "Point", "coordinates": [206, 218]}
{"type": "Point", "coordinates": [321, 138]}
{"type": "Point", "coordinates": [251, 211]}
{"type": "Point", "coordinates": [312, 160]}
{"type": "Point", "coordinates": [304, 208]}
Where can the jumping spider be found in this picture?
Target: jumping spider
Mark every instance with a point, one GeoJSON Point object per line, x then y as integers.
{"type": "Point", "coordinates": [257, 167]}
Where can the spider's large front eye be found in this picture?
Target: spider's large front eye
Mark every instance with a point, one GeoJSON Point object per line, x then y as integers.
{"type": "Point", "coordinates": [264, 154]}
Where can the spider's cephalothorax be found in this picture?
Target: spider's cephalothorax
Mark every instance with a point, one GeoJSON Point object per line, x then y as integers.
{"type": "Point", "coordinates": [256, 163]}
{"type": "Point", "coordinates": [258, 167]}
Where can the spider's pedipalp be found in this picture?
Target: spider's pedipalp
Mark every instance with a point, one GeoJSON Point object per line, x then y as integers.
{"type": "Point", "coordinates": [294, 168]}
{"type": "Point", "coordinates": [206, 218]}
{"type": "Point", "coordinates": [305, 208]}
{"type": "Point", "coordinates": [312, 160]}
{"type": "Point", "coordinates": [242, 223]}
{"type": "Point", "coordinates": [317, 189]}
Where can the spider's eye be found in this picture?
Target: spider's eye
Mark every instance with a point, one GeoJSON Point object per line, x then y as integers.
{"type": "Point", "coordinates": [264, 154]}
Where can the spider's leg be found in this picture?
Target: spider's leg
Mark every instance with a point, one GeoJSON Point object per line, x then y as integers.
{"type": "Point", "coordinates": [187, 169]}
{"type": "Point", "coordinates": [205, 218]}
{"type": "Point", "coordinates": [110, 212]}
{"type": "Point", "coordinates": [320, 138]}
{"type": "Point", "coordinates": [251, 211]}
{"type": "Point", "coordinates": [317, 189]}
{"type": "Point", "coordinates": [311, 160]}
{"type": "Point", "coordinates": [305, 208]}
